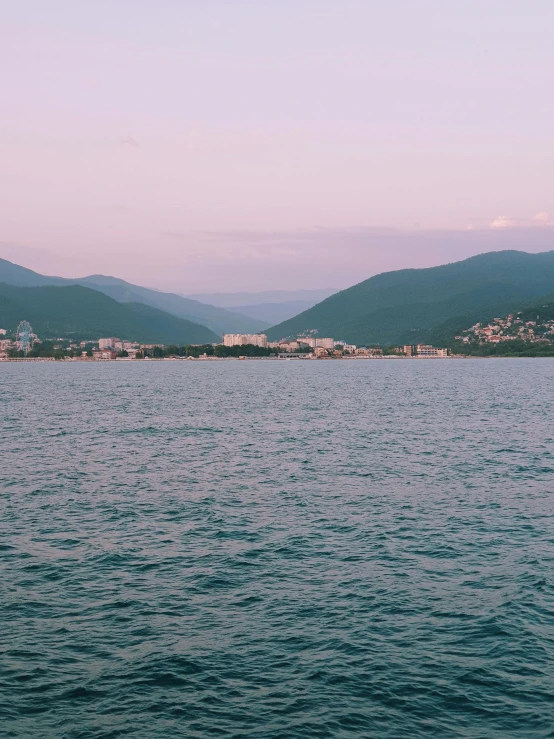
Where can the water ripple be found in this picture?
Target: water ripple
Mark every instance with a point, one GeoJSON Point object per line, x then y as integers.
{"type": "Point", "coordinates": [277, 550]}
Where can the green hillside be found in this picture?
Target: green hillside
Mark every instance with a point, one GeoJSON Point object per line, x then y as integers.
{"type": "Point", "coordinates": [528, 332]}
{"type": "Point", "coordinates": [404, 306]}
{"type": "Point", "coordinates": [82, 313]}
{"type": "Point", "coordinates": [217, 319]}
{"type": "Point", "coordinates": [220, 320]}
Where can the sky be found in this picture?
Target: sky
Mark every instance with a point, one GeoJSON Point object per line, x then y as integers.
{"type": "Point", "coordinates": [272, 144]}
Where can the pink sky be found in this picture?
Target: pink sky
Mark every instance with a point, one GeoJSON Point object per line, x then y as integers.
{"type": "Point", "coordinates": [258, 144]}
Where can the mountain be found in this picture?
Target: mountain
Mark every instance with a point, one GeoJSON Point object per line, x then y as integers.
{"type": "Point", "coordinates": [78, 312]}
{"type": "Point", "coordinates": [404, 306]}
{"type": "Point", "coordinates": [217, 319]}
{"type": "Point", "coordinates": [276, 312]}
{"type": "Point", "coordinates": [239, 300]}
{"type": "Point", "coordinates": [528, 332]}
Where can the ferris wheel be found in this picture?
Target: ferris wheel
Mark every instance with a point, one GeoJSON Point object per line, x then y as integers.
{"type": "Point", "coordinates": [24, 336]}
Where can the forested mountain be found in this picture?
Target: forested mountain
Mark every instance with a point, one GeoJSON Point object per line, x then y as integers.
{"type": "Point", "coordinates": [405, 305]}
{"type": "Point", "coordinates": [81, 313]}
{"type": "Point", "coordinates": [219, 320]}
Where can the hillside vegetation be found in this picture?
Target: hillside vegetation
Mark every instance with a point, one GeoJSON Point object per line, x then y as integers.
{"type": "Point", "coordinates": [407, 305]}
{"type": "Point", "coordinates": [526, 333]}
{"type": "Point", "coordinates": [217, 319]}
{"type": "Point", "coordinates": [81, 313]}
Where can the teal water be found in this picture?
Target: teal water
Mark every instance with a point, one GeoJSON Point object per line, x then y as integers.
{"type": "Point", "coordinates": [277, 550]}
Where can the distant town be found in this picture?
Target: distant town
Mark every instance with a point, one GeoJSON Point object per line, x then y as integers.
{"type": "Point", "coordinates": [515, 327]}
{"type": "Point", "coordinates": [26, 345]}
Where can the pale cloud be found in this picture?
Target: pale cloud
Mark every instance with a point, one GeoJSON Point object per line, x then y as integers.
{"type": "Point", "coordinates": [503, 222]}
{"type": "Point", "coordinates": [539, 219]}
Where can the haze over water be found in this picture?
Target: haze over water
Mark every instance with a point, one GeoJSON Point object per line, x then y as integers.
{"type": "Point", "coordinates": [277, 550]}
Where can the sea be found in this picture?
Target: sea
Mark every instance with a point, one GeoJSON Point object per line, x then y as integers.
{"type": "Point", "coordinates": [277, 550]}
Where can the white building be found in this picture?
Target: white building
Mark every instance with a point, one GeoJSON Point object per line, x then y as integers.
{"type": "Point", "coordinates": [424, 350]}
{"type": "Point", "coordinates": [289, 346]}
{"type": "Point", "coordinates": [317, 342]}
{"type": "Point", "coordinates": [325, 343]}
{"type": "Point", "coordinates": [242, 339]}
{"type": "Point", "coordinates": [109, 343]}
{"type": "Point", "coordinates": [346, 347]}
{"type": "Point", "coordinates": [103, 354]}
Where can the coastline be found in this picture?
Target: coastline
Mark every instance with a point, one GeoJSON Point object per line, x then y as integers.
{"type": "Point", "coordinates": [88, 360]}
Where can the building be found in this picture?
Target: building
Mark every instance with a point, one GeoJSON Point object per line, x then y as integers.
{"type": "Point", "coordinates": [289, 346]}
{"type": "Point", "coordinates": [372, 352]}
{"type": "Point", "coordinates": [424, 350]}
{"type": "Point", "coordinates": [351, 348]}
{"type": "Point", "coordinates": [325, 343]}
{"type": "Point", "coordinates": [5, 345]}
{"type": "Point", "coordinates": [103, 354]}
{"type": "Point", "coordinates": [242, 339]}
{"type": "Point", "coordinates": [109, 343]}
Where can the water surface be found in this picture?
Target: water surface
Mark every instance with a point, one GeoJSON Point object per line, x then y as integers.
{"type": "Point", "coordinates": [277, 550]}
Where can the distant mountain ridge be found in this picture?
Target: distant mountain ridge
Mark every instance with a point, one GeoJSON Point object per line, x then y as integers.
{"type": "Point", "coordinates": [217, 319]}
{"type": "Point", "coordinates": [82, 313]}
{"type": "Point", "coordinates": [406, 305]}
{"type": "Point", "coordinates": [275, 312]}
{"type": "Point", "coordinates": [272, 306]}
{"type": "Point", "coordinates": [403, 306]}
{"type": "Point", "coordinates": [240, 299]}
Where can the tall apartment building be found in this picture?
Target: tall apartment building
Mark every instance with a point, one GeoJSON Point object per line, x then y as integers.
{"type": "Point", "coordinates": [289, 346]}
{"type": "Point", "coordinates": [109, 343]}
{"type": "Point", "coordinates": [325, 343]}
{"type": "Point", "coordinates": [241, 339]}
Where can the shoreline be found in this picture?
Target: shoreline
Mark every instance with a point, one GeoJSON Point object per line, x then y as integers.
{"type": "Point", "coordinates": [89, 360]}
